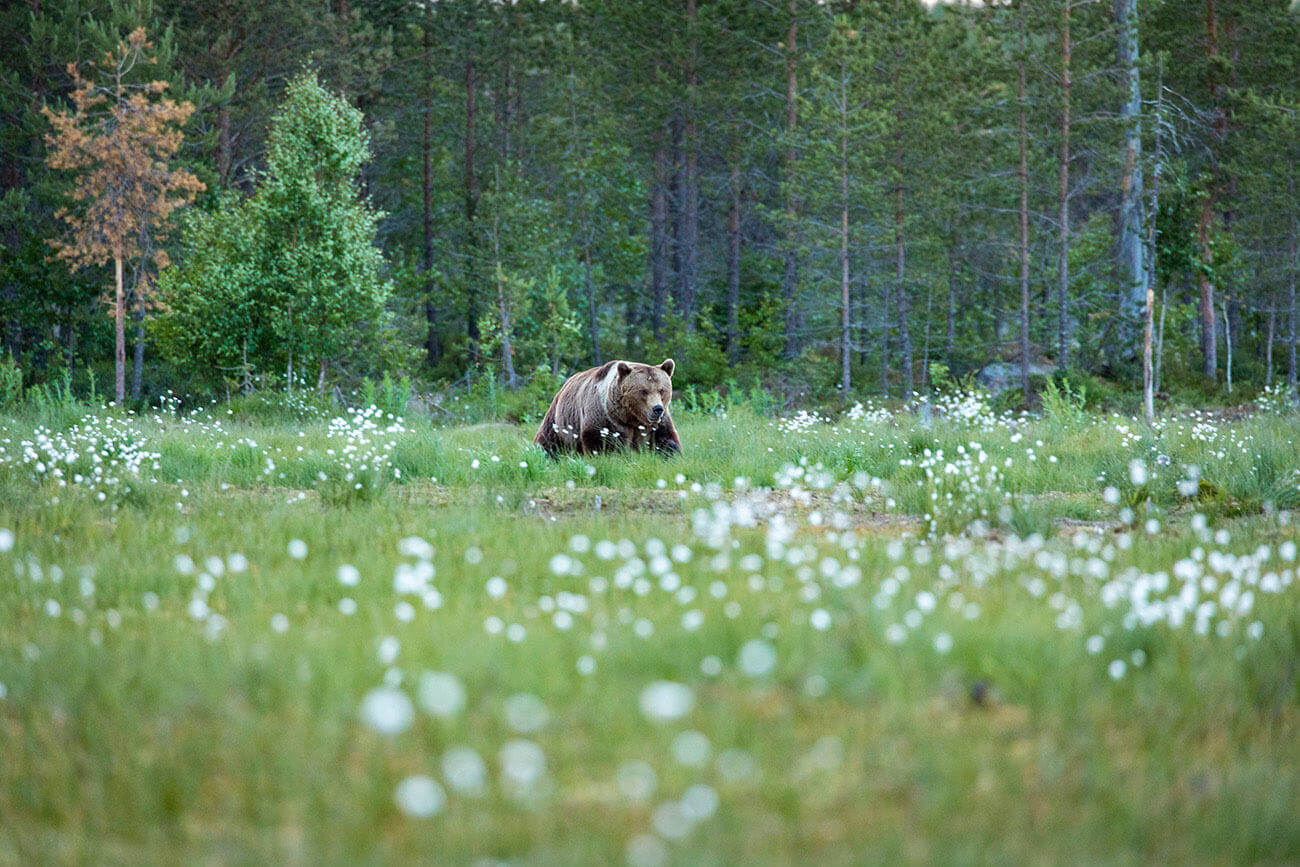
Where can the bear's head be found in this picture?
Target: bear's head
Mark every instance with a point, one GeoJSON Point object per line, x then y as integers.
{"type": "Point", "coordinates": [642, 392]}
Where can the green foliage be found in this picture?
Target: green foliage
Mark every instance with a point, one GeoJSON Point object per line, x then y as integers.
{"type": "Point", "coordinates": [487, 400]}
{"type": "Point", "coordinates": [390, 394]}
{"type": "Point", "coordinates": [290, 273]}
{"type": "Point", "coordinates": [11, 382]}
{"type": "Point", "coordinates": [549, 330]}
{"type": "Point", "coordinates": [55, 405]}
{"type": "Point", "coordinates": [1277, 399]}
{"type": "Point", "coordinates": [700, 355]}
{"type": "Point", "coordinates": [1064, 406]}
{"type": "Point", "coordinates": [340, 492]}
{"type": "Point", "coordinates": [280, 406]}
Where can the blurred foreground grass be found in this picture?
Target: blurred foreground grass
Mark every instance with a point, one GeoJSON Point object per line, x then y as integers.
{"type": "Point", "coordinates": [184, 665]}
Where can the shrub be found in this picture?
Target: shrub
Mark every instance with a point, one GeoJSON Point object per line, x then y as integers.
{"type": "Point", "coordinates": [54, 403]}
{"type": "Point", "coordinates": [279, 406]}
{"type": "Point", "coordinates": [1276, 399]}
{"type": "Point", "coordinates": [11, 382]}
{"type": "Point", "coordinates": [391, 394]}
{"type": "Point", "coordinates": [957, 492]}
{"type": "Point", "coordinates": [1064, 405]}
{"type": "Point", "coordinates": [362, 446]}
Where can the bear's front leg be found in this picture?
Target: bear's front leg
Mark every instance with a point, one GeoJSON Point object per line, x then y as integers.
{"type": "Point", "coordinates": [593, 443]}
{"type": "Point", "coordinates": [665, 438]}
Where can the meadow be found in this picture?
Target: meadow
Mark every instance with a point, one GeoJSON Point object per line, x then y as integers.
{"type": "Point", "coordinates": [282, 634]}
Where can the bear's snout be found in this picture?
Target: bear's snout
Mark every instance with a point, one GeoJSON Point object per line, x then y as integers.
{"type": "Point", "coordinates": [657, 412]}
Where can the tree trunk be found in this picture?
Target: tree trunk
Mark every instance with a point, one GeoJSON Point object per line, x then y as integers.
{"type": "Point", "coordinates": [1160, 336]}
{"type": "Point", "coordinates": [905, 343]}
{"type": "Point", "coordinates": [1233, 331]}
{"type": "Point", "coordinates": [224, 144]}
{"type": "Point", "coordinates": [691, 207]}
{"type": "Point", "coordinates": [137, 360]}
{"type": "Point", "coordinates": [884, 341]}
{"type": "Point", "coordinates": [320, 380]}
{"type": "Point", "coordinates": [471, 199]}
{"type": "Point", "coordinates": [1209, 342]}
{"type": "Point", "coordinates": [790, 280]}
{"type": "Point", "coordinates": [1148, 373]}
{"type": "Point", "coordinates": [1023, 138]}
{"type": "Point", "coordinates": [658, 241]}
{"type": "Point", "coordinates": [633, 313]}
{"type": "Point", "coordinates": [900, 285]}
{"type": "Point", "coordinates": [678, 208]}
{"type": "Point", "coordinates": [1063, 173]}
{"type": "Point", "coordinates": [1292, 265]}
{"type": "Point", "coordinates": [70, 353]}
{"type": "Point", "coordinates": [1132, 268]}
{"type": "Point", "coordinates": [1268, 343]}
{"type": "Point", "coordinates": [925, 346]}
{"type": "Point", "coordinates": [950, 338]}
{"type": "Point", "coordinates": [591, 300]}
{"type": "Point", "coordinates": [584, 220]}
{"type": "Point", "coordinates": [1150, 366]}
{"type": "Point", "coordinates": [733, 267]}
{"type": "Point", "coordinates": [119, 333]}
{"type": "Point", "coordinates": [503, 309]}
{"type": "Point", "coordinates": [432, 349]}
{"type": "Point", "coordinates": [1227, 343]}
{"type": "Point", "coordinates": [846, 343]}
{"type": "Point", "coordinates": [501, 97]}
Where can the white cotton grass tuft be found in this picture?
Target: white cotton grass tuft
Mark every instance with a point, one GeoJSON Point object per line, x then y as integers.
{"type": "Point", "coordinates": [440, 694]}
{"type": "Point", "coordinates": [415, 546]}
{"type": "Point", "coordinates": [420, 796]}
{"type": "Point", "coordinates": [525, 713]}
{"type": "Point", "coordinates": [666, 700]}
{"type": "Point", "coordinates": [757, 658]}
{"type": "Point", "coordinates": [636, 780]}
{"type": "Point", "coordinates": [523, 764]}
{"type": "Point", "coordinates": [669, 821]}
{"type": "Point", "coordinates": [646, 850]}
{"type": "Point", "coordinates": [465, 770]}
{"type": "Point", "coordinates": [389, 647]}
{"type": "Point", "coordinates": [387, 710]}
{"type": "Point", "coordinates": [700, 802]}
{"type": "Point", "coordinates": [692, 749]}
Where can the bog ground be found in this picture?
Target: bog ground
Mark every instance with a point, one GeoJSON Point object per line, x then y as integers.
{"type": "Point", "coordinates": [305, 639]}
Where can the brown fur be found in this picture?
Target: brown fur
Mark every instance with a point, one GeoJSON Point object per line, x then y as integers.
{"type": "Point", "coordinates": [611, 408]}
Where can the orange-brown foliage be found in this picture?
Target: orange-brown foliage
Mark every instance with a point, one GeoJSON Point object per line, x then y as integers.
{"type": "Point", "coordinates": [119, 140]}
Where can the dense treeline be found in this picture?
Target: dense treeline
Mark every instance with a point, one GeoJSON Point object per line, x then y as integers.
{"type": "Point", "coordinates": [852, 197]}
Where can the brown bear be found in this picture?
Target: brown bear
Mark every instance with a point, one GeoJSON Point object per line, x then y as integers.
{"type": "Point", "coordinates": [619, 405]}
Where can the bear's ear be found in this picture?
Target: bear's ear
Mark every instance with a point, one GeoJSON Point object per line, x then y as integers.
{"type": "Point", "coordinates": [668, 367]}
{"type": "Point", "coordinates": [624, 369]}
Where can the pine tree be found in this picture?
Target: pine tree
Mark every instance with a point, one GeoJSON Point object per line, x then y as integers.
{"type": "Point", "coordinates": [119, 140]}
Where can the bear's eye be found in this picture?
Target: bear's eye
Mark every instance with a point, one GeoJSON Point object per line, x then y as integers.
{"type": "Point", "coordinates": [645, 392]}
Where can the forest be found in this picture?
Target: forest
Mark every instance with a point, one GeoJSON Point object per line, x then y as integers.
{"type": "Point", "coordinates": [818, 201]}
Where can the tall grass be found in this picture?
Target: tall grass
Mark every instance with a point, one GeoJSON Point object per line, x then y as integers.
{"type": "Point", "coordinates": [946, 700]}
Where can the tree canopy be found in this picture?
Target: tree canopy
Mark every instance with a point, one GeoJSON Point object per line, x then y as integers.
{"type": "Point", "coordinates": [824, 199]}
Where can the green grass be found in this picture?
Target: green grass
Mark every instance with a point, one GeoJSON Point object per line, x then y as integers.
{"type": "Point", "coordinates": [133, 733]}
